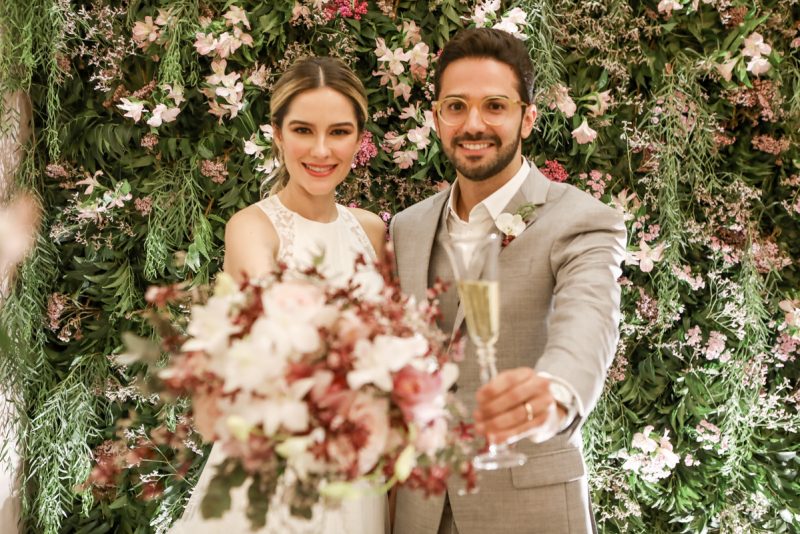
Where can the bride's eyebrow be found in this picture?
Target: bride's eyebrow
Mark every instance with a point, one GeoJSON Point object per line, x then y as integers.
{"type": "Point", "coordinates": [296, 122]}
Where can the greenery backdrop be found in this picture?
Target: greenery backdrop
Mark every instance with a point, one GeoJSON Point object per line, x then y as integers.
{"type": "Point", "coordinates": [151, 129]}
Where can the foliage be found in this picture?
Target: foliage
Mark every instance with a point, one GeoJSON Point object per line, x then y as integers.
{"type": "Point", "coordinates": [696, 123]}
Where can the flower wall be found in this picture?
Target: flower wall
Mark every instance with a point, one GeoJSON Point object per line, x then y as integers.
{"type": "Point", "coordinates": [152, 128]}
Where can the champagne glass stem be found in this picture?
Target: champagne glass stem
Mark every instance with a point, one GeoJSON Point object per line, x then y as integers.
{"type": "Point", "coordinates": [487, 361]}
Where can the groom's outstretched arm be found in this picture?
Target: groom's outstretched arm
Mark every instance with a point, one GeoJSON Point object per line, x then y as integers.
{"type": "Point", "coordinates": [581, 339]}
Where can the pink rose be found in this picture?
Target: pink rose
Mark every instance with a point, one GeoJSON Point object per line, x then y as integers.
{"type": "Point", "coordinates": [294, 299]}
{"type": "Point", "coordinates": [372, 415]}
{"type": "Point", "coordinates": [419, 395]}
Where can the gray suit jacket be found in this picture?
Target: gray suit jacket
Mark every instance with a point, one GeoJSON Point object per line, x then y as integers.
{"type": "Point", "coordinates": [559, 314]}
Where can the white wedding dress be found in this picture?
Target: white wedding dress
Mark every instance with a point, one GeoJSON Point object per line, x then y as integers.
{"type": "Point", "coordinates": [301, 241]}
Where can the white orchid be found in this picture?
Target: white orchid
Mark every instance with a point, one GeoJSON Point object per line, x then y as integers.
{"type": "Point", "coordinates": [163, 114]}
{"type": "Point", "coordinates": [236, 15]}
{"type": "Point", "coordinates": [646, 256]}
{"type": "Point", "coordinates": [668, 6]}
{"type": "Point", "coordinates": [510, 224]}
{"type": "Point", "coordinates": [754, 46]}
{"type": "Point", "coordinates": [175, 93]}
{"type": "Point", "coordinates": [205, 44]}
{"type": "Point", "coordinates": [584, 134]}
{"type": "Point", "coordinates": [210, 327]}
{"type": "Point", "coordinates": [420, 136]}
{"type": "Point", "coordinates": [758, 65]}
{"type": "Point", "coordinates": [394, 60]}
{"type": "Point", "coordinates": [133, 110]}
{"type": "Point", "coordinates": [377, 359]}
{"type": "Point", "coordinates": [288, 411]}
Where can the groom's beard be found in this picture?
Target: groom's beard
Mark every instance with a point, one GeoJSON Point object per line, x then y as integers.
{"type": "Point", "coordinates": [478, 172]}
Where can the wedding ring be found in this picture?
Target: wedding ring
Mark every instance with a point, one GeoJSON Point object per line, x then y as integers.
{"type": "Point", "coordinates": [528, 411]}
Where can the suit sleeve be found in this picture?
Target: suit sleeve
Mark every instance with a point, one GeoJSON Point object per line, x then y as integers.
{"type": "Point", "coordinates": [583, 327]}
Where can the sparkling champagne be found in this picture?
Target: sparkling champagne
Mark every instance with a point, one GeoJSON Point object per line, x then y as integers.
{"type": "Point", "coordinates": [481, 301]}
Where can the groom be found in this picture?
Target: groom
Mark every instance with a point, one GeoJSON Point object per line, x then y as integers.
{"type": "Point", "coordinates": [558, 292]}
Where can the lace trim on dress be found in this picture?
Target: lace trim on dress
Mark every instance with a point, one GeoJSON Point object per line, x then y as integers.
{"type": "Point", "coordinates": [351, 222]}
{"type": "Point", "coordinates": [283, 220]}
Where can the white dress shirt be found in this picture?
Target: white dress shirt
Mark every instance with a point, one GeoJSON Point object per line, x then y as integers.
{"type": "Point", "coordinates": [480, 221]}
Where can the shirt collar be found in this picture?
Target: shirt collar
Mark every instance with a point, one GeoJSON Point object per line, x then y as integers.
{"type": "Point", "coordinates": [497, 201]}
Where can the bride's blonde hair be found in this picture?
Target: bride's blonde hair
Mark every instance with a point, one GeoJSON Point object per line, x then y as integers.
{"type": "Point", "coordinates": [304, 75]}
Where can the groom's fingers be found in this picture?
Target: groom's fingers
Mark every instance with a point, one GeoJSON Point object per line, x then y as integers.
{"type": "Point", "coordinates": [501, 410]}
{"type": "Point", "coordinates": [509, 390]}
{"type": "Point", "coordinates": [515, 420]}
{"type": "Point", "coordinates": [503, 382]}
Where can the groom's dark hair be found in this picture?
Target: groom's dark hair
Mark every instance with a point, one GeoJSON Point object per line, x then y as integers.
{"type": "Point", "coordinates": [488, 43]}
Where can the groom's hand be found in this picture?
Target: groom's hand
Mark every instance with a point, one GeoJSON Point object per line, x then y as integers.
{"type": "Point", "coordinates": [501, 412]}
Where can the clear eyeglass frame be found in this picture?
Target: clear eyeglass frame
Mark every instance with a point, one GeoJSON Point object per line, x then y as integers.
{"type": "Point", "coordinates": [486, 116]}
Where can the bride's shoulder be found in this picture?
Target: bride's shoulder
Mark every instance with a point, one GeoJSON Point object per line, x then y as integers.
{"type": "Point", "coordinates": [251, 243]}
{"type": "Point", "coordinates": [248, 221]}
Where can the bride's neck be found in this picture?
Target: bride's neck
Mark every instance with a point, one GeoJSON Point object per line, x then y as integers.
{"type": "Point", "coordinates": [320, 208]}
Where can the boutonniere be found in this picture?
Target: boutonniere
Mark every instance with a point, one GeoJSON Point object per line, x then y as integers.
{"type": "Point", "coordinates": [512, 224]}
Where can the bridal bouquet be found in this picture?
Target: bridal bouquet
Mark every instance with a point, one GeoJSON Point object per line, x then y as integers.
{"type": "Point", "coordinates": [332, 387]}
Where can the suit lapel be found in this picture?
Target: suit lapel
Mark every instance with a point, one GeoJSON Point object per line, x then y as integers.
{"type": "Point", "coordinates": [532, 191]}
{"type": "Point", "coordinates": [418, 252]}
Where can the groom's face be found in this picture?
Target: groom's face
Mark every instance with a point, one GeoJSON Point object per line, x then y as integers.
{"type": "Point", "coordinates": [480, 151]}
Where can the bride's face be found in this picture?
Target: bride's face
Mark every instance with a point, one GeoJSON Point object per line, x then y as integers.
{"type": "Point", "coordinates": [318, 139]}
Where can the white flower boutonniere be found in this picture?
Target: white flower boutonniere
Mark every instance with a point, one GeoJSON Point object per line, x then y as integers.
{"type": "Point", "coordinates": [512, 224]}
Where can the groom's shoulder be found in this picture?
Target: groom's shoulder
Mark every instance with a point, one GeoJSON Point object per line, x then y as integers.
{"type": "Point", "coordinates": [422, 208]}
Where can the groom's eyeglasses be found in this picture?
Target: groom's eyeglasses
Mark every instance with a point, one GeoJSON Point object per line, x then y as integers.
{"type": "Point", "coordinates": [494, 110]}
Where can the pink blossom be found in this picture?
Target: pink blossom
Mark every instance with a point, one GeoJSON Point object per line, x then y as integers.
{"type": "Point", "coordinates": [165, 17]}
{"type": "Point", "coordinates": [294, 300]}
{"type": "Point", "coordinates": [366, 151]}
{"type": "Point", "coordinates": [693, 336]}
{"type": "Point", "coordinates": [405, 158]}
{"type": "Point", "coordinates": [419, 136]}
{"type": "Point", "coordinates": [646, 257]}
{"type": "Point", "coordinates": [236, 15]}
{"type": "Point", "coordinates": [299, 11]}
{"type": "Point", "coordinates": [432, 437]}
{"type": "Point", "coordinates": [754, 46]}
{"type": "Point", "coordinates": [372, 414]}
{"type": "Point", "coordinates": [584, 134]}
{"type": "Point", "coordinates": [643, 441]}
{"type": "Point", "coordinates": [602, 101]}
{"type": "Point", "coordinates": [562, 100]}
{"type": "Point", "coordinates": [145, 32]}
{"type": "Point", "coordinates": [726, 69]}
{"type": "Point", "coordinates": [162, 114]}
{"type": "Point", "coordinates": [419, 395]}
{"type": "Point", "coordinates": [402, 89]}
{"type": "Point", "coordinates": [758, 66]}
{"type": "Point", "coordinates": [133, 110]}
{"type": "Point", "coordinates": [205, 44]}
{"type": "Point", "coordinates": [394, 60]}
{"type": "Point", "coordinates": [667, 6]}
{"type": "Point", "coordinates": [411, 33]}
{"type": "Point", "coordinates": [791, 309]}
{"type": "Point", "coordinates": [227, 44]}
{"type": "Point", "coordinates": [554, 171]}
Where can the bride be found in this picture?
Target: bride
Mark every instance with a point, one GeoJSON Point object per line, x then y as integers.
{"type": "Point", "coordinates": [318, 109]}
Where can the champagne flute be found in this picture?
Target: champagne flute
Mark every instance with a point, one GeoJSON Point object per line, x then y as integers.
{"type": "Point", "coordinates": [474, 262]}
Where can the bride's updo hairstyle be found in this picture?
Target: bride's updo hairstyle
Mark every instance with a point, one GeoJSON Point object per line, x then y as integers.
{"type": "Point", "coordinates": [307, 74]}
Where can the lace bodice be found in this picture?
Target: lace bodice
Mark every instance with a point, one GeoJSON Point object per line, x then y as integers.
{"type": "Point", "coordinates": [302, 240]}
